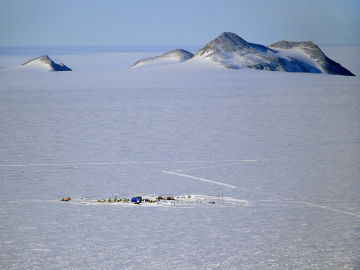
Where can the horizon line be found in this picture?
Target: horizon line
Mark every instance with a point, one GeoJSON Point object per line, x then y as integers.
{"type": "Point", "coordinates": [149, 45]}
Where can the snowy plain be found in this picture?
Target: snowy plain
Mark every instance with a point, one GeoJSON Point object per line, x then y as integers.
{"type": "Point", "coordinates": [286, 143]}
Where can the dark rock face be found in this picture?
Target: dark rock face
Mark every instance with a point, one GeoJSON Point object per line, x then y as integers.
{"type": "Point", "coordinates": [313, 51]}
{"type": "Point", "coordinates": [230, 42]}
{"type": "Point", "coordinates": [53, 66]}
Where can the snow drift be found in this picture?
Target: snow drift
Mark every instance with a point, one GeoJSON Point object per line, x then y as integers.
{"type": "Point", "coordinates": [177, 55]}
{"type": "Point", "coordinates": [45, 63]}
{"type": "Point", "coordinates": [231, 51]}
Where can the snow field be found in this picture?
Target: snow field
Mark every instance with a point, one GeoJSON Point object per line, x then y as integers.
{"type": "Point", "coordinates": [288, 143]}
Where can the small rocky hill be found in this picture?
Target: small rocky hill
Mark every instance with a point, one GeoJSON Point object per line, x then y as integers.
{"type": "Point", "coordinates": [45, 63]}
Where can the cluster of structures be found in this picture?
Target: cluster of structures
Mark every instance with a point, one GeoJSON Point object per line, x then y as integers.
{"type": "Point", "coordinates": [138, 199]}
{"type": "Point", "coordinates": [158, 200]}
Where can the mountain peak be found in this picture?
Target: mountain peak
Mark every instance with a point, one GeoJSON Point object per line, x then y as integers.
{"type": "Point", "coordinates": [234, 38]}
{"type": "Point", "coordinates": [45, 62]}
{"type": "Point", "coordinates": [229, 42]}
{"type": "Point", "coordinates": [283, 44]}
{"type": "Point", "coordinates": [45, 58]}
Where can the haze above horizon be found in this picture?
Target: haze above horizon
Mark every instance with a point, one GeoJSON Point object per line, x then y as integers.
{"type": "Point", "coordinates": [161, 22]}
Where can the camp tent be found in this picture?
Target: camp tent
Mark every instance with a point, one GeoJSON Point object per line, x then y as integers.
{"type": "Point", "coordinates": [136, 199]}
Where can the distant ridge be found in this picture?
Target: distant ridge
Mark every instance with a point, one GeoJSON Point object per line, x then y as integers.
{"type": "Point", "coordinates": [313, 51]}
{"type": "Point", "coordinates": [45, 63]}
{"type": "Point", "coordinates": [231, 51]}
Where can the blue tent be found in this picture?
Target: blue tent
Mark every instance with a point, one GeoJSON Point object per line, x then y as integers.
{"type": "Point", "coordinates": [134, 199]}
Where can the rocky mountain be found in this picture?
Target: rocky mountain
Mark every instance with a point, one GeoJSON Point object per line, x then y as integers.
{"type": "Point", "coordinates": [231, 51]}
{"type": "Point", "coordinates": [177, 55]}
{"type": "Point", "coordinates": [325, 64]}
{"type": "Point", "coordinates": [45, 63]}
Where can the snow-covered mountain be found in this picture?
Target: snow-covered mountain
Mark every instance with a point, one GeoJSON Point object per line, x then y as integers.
{"type": "Point", "coordinates": [177, 55]}
{"type": "Point", "coordinates": [45, 63]}
{"type": "Point", "coordinates": [313, 53]}
{"type": "Point", "coordinates": [231, 51]}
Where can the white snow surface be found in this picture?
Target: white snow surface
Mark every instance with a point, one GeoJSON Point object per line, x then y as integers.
{"type": "Point", "coordinates": [298, 55]}
{"type": "Point", "coordinates": [282, 149]}
{"type": "Point", "coordinates": [173, 56]}
{"type": "Point", "coordinates": [37, 64]}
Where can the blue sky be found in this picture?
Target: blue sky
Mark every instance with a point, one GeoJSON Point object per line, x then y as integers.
{"type": "Point", "coordinates": [167, 22]}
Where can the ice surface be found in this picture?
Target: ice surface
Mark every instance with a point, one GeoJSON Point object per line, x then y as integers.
{"type": "Point", "coordinates": [287, 143]}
